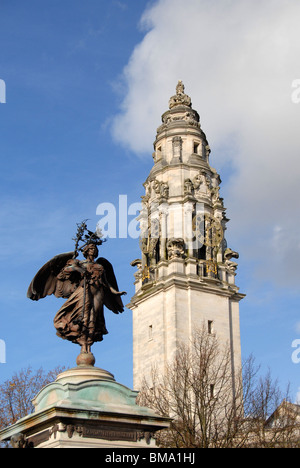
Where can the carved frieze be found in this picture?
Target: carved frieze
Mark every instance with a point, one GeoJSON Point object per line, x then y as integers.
{"type": "Point", "coordinates": [190, 118]}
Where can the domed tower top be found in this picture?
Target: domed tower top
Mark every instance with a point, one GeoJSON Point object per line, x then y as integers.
{"type": "Point", "coordinates": [180, 138]}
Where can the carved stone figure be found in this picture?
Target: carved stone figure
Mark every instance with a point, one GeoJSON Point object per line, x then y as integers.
{"type": "Point", "coordinates": [190, 118]}
{"type": "Point", "coordinates": [188, 187]}
{"type": "Point", "coordinates": [197, 181]}
{"type": "Point", "coordinates": [180, 99]}
{"type": "Point", "coordinates": [175, 248]}
{"type": "Point", "coordinates": [87, 285]}
{"type": "Point", "coordinates": [156, 187]}
{"type": "Point", "coordinates": [202, 184]}
{"type": "Point", "coordinates": [19, 441]}
{"type": "Point", "coordinates": [165, 190]}
{"type": "Point", "coordinates": [230, 265]}
{"type": "Point", "coordinates": [207, 152]}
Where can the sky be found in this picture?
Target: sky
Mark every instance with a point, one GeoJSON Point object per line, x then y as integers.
{"type": "Point", "coordinates": [83, 85]}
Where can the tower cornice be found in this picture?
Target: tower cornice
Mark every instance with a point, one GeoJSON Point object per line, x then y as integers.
{"type": "Point", "coordinates": [182, 282]}
{"type": "Point", "coordinates": [193, 163]}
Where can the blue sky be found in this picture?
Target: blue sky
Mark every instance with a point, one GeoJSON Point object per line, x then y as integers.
{"type": "Point", "coordinates": [86, 84]}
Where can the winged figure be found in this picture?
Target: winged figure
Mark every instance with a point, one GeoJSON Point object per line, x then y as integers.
{"type": "Point", "coordinates": [88, 285]}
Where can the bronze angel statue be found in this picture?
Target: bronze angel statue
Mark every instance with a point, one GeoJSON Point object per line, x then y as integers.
{"type": "Point", "coordinates": [87, 285]}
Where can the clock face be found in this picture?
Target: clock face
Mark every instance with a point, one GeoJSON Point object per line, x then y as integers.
{"type": "Point", "coordinates": [208, 230]}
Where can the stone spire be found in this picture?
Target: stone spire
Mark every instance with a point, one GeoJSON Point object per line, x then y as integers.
{"type": "Point", "coordinates": [181, 123]}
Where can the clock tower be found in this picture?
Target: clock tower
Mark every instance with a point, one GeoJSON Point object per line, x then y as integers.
{"type": "Point", "coordinates": [185, 278]}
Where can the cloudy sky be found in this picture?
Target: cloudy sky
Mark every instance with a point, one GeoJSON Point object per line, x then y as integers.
{"type": "Point", "coordinates": [86, 84]}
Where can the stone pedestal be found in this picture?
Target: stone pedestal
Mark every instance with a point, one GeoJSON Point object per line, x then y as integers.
{"type": "Point", "coordinates": [86, 408]}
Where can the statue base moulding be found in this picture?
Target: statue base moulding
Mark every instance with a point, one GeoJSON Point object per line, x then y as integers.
{"type": "Point", "coordinates": [86, 408]}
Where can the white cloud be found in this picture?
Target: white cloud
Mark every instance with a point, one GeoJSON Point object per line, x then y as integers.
{"type": "Point", "coordinates": [238, 60]}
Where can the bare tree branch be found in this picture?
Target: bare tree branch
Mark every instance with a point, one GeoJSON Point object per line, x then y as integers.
{"type": "Point", "coordinates": [213, 407]}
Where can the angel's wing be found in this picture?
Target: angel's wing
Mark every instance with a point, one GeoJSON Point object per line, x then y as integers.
{"type": "Point", "coordinates": [111, 301]}
{"type": "Point", "coordinates": [45, 281]}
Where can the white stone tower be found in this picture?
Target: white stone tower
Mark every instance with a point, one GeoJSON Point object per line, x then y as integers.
{"type": "Point", "coordinates": [186, 276]}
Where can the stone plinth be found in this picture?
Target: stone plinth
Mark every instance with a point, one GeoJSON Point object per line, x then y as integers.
{"type": "Point", "coordinates": [86, 408]}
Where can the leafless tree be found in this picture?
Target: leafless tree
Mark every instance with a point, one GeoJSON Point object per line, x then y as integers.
{"type": "Point", "coordinates": [271, 420]}
{"type": "Point", "coordinates": [16, 394]}
{"type": "Point", "coordinates": [211, 406]}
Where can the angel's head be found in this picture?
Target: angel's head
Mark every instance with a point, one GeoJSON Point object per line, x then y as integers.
{"type": "Point", "coordinates": [90, 250]}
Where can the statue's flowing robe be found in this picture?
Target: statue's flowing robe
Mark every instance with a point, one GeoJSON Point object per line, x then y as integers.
{"type": "Point", "coordinates": [81, 318]}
